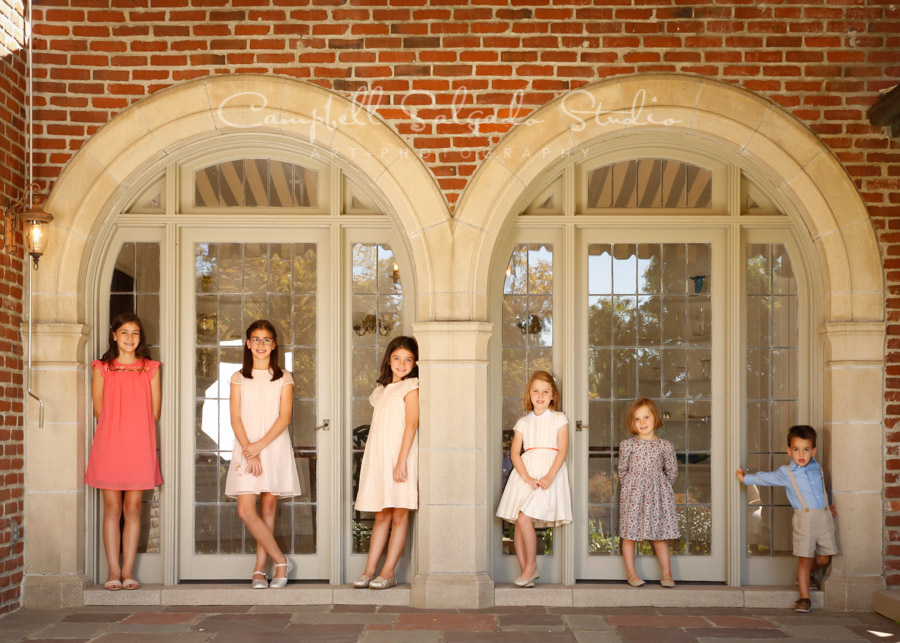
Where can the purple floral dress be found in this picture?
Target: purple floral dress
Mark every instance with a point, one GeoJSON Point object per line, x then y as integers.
{"type": "Point", "coordinates": [647, 469]}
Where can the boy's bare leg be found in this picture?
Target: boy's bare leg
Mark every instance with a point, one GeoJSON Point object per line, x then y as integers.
{"type": "Point", "coordinates": [804, 569]}
{"type": "Point", "coordinates": [819, 562]}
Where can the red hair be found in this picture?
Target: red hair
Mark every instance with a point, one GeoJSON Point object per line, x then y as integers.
{"type": "Point", "coordinates": [650, 404]}
{"type": "Point", "coordinates": [544, 376]}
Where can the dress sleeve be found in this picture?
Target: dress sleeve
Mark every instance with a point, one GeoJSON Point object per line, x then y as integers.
{"type": "Point", "coordinates": [286, 378]}
{"type": "Point", "coordinates": [237, 378]}
{"type": "Point", "coordinates": [560, 420]}
{"type": "Point", "coordinates": [624, 457]}
{"type": "Point", "coordinates": [670, 462]}
{"type": "Point", "coordinates": [373, 398]}
{"type": "Point", "coordinates": [410, 384]}
{"type": "Point", "coordinates": [520, 424]}
{"type": "Point", "coordinates": [99, 364]}
{"type": "Point", "coordinates": [152, 366]}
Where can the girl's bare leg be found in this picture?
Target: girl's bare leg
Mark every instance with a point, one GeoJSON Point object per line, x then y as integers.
{"type": "Point", "coordinates": [131, 534]}
{"type": "Point", "coordinates": [267, 506]}
{"type": "Point", "coordinates": [257, 527]}
{"type": "Point", "coordinates": [399, 529]}
{"type": "Point", "coordinates": [380, 532]}
{"type": "Point", "coordinates": [661, 547]}
{"type": "Point", "coordinates": [529, 544]}
{"type": "Point", "coordinates": [628, 547]}
{"type": "Point", "coordinates": [112, 537]}
{"type": "Point", "coordinates": [519, 546]}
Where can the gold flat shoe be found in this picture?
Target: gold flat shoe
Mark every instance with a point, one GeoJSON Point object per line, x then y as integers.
{"type": "Point", "coordinates": [382, 583]}
{"type": "Point", "coordinates": [667, 582]}
{"type": "Point", "coordinates": [527, 581]}
{"type": "Point", "coordinates": [362, 582]}
{"type": "Point", "coordinates": [635, 582]}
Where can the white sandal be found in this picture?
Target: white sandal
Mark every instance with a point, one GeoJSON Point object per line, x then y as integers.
{"type": "Point", "coordinates": [256, 583]}
{"type": "Point", "coordinates": [281, 582]}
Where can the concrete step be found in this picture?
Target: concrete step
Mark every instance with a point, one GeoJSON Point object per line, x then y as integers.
{"type": "Point", "coordinates": [548, 595]}
{"type": "Point", "coordinates": [241, 594]}
{"type": "Point", "coordinates": [887, 603]}
{"type": "Point", "coordinates": [652, 595]}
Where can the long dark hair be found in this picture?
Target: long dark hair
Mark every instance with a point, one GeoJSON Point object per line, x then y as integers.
{"type": "Point", "coordinates": [247, 366]}
{"type": "Point", "coordinates": [385, 375]}
{"type": "Point", "coordinates": [141, 352]}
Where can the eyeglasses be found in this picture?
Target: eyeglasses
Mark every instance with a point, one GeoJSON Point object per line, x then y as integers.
{"type": "Point", "coordinates": [265, 341]}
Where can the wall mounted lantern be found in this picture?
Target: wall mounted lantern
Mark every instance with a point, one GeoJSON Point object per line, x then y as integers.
{"type": "Point", "coordinates": [33, 220]}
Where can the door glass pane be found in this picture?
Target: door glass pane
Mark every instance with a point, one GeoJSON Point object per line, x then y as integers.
{"type": "Point", "coordinates": [134, 288]}
{"type": "Point", "coordinates": [237, 284]}
{"type": "Point", "coordinates": [376, 318]}
{"type": "Point", "coordinates": [527, 347]}
{"type": "Point", "coordinates": [649, 335]}
{"type": "Point", "coordinates": [772, 394]}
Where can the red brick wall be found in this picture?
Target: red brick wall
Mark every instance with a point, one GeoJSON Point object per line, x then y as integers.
{"type": "Point", "coordinates": [823, 61]}
{"type": "Point", "coordinates": [12, 181]}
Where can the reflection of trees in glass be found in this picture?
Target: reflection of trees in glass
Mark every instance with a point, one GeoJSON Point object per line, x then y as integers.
{"type": "Point", "coordinates": [527, 337]}
{"type": "Point", "coordinates": [377, 295]}
{"type": "Point", "coordinates": [771, 377]}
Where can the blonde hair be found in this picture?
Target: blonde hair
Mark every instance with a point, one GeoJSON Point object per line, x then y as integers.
{"type": "Point", "coordinates": [638, 403]}
{"type": "Point", "coordinates": [544, 376]}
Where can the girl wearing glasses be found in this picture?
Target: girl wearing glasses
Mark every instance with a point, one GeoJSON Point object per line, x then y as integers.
{"type": "Point", "coordinates": [262, 463]}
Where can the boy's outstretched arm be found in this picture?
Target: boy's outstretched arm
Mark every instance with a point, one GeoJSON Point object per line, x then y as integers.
{"type": "Point", "coordinates": [740, 474]}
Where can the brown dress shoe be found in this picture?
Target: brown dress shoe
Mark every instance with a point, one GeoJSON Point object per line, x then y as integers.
{"type": "Point", "coordinates": [802, 605]}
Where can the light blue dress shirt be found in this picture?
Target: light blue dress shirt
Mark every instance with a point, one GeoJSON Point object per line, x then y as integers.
{"type": "Point", "coordinates": [809, 481]}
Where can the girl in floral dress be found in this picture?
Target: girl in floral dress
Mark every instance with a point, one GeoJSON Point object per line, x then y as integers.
{"type": "Point", "coordinates": [647, 469]}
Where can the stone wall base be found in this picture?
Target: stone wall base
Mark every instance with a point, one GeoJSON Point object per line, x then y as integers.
{"type": "Point", "coordinates": [852, 593]}
{"type": "Point", "coordinates": [51, 592]}
{"type": "Point", "coordinates": [452, 591]}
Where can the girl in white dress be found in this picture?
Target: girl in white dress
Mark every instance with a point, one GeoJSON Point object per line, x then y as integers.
{"type": "Point", "coordinates": [388, 479]}
{"type": "Point", "coordinates": [262, 464]}
{"type": "Point", "coordinates": [537, 493]}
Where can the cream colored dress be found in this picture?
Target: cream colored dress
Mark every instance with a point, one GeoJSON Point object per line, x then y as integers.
{"type": "Point", "coordinates": [377, 489]}
{"type": "Point", "coordinates": [547, 507]}
{"type": "Point", "coordinates": [260, 405]}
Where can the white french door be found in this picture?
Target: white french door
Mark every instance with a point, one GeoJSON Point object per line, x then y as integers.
{"type": "Point", "coordinates": [230, 277]}
{"type": "Point", "coordinates": [650, 321]}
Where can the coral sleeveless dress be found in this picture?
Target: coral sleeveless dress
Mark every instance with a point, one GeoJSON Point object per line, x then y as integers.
{"type": "Point", "coordinates": [123, 455]}
{"type": "Point", "coordinates": [260, 405]}
{"type": "Point", "coordinates": [377, 489]}
{"type": "Point", "coordinates": [548, 507]}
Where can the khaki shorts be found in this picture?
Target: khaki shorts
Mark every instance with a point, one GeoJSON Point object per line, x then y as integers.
{"type": "Point", "coordinates": [814, 533]}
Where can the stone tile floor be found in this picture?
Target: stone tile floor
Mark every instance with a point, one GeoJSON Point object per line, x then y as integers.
{"type": "Point", "coordinates": [370, 624]}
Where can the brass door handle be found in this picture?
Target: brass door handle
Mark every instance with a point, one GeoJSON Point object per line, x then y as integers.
{"type": "Point", "coordinates": [324, 426]}
{"type": "Point", "coordinates": [581, 427]}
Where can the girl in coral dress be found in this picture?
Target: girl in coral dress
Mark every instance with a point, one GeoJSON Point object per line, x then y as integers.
{"type": "Point", "coordinates": [647, 469]}
{"type": "Point", "coordinates": [127, 400]}
{"type": "Point", "coordinates": [388, 479]}
{"type": "Point", "coordinates": [537, 492]}
{"type": "Point", "coordinates": [262, 463]}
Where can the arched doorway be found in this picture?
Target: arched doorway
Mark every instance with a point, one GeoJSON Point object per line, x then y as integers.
{"type": "Point", "coordinates": [834, 240]}
{"type": "Point", "coordinates": [216, 181]}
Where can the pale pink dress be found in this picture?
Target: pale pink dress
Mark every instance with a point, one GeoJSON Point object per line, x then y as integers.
{"type": "Point", "coordinates": [260, 405]}
{"type": "Point", "coordinates": [377, 489]}
{"type": "Point", "coordinates": [548, 507]}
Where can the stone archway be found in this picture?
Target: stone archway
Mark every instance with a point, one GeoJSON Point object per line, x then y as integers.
{"type": "Point", "coordinates": [81, 201]}
{"type": "Point", "coordinates": [831, 211]}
